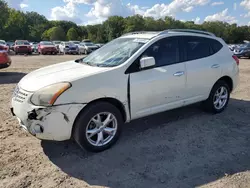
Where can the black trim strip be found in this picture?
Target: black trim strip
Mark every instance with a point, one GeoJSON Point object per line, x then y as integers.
{"type": "Point", "coordinates": [128, 95]}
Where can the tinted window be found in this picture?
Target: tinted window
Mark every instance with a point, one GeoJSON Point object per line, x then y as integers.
{"type": "Point", "coordinates": [215, 45]}
{"type": "Point", "coordinates": [165, 52]}
{"type": "Point", "coordinates": [199, 47]}
{"type": "Point", "coordinates": [196, 47]}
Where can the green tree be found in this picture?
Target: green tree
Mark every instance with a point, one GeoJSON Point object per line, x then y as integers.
{"type": "Point", "coordinates": [134, 23]}
{"type": "Point", "coordinates": [54, 33]}
{"type": "Point", "coordinates": [16, 26]}
{"type": "Point", "coordinates": [113, 27]}
{"type": "Point", "coordinates": [72, 34]}
{"type": "Point", "coordinates": [4, 16]}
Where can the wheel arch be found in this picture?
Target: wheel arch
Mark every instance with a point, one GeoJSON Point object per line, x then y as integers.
{"type": "Point", "coordinates": [118, 104]}
{"type": "Point", "coordinates": [228, 80]}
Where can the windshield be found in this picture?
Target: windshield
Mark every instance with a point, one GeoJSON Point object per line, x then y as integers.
{"type": "Point", "coordinates": [76, 42]}
{"type": "Point", "coordinates": [69, 44]}
{"type": "Point", "coordinates": [22, 43]}
{"type": "Point", "coordinates": [89, 44]}
{"type": "Point", "coordinates": [57, 42]}
{"type": "Point", "coordinates": [46, 43]}
{"type": "Point", "coordinates": [114, 53]}
{"type": "Point", "coordinates": [2, 42]}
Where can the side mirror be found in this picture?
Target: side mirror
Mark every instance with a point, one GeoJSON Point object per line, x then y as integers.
{"type": "Point", "coordinates": [146, 62]}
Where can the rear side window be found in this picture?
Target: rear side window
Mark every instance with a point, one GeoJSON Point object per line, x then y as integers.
{"type": "Point", "coordinates": [215, 45]}
{"type": "Point", "coordinates": [199, 47]}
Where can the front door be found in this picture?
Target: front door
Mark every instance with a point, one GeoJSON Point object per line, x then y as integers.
{"type": "Point", "coordinates": [161, 87]}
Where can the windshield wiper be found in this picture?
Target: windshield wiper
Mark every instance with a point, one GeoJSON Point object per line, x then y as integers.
{"type": "Point", "coordinates": [84, 62]}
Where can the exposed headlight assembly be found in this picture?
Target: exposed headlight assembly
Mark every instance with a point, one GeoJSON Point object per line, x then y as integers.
{"type": "Point", "coordinates": [47, 96]}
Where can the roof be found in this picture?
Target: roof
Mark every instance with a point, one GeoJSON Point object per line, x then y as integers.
{"type": "Point", "coordinates": [152, 34]}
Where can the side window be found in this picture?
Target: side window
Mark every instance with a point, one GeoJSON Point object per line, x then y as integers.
{"type": "Point", "coordinates": [196, 47]}
{"type": "Point", "coordinates": [165, 51]}
{"type": "Point", "coordinates": [215, 45]}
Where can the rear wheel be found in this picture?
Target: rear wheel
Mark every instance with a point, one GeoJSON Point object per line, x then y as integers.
{"type": "Point", "coordinates": [98, 127]}
{"type": "Point", "coordinates": [218, 98]}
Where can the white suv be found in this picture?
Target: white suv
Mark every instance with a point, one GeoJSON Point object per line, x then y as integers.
{"type": "Point", "coordinates": [133, 76]}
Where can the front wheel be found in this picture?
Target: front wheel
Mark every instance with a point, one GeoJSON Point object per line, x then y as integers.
{"type": "Point", "coordinates": [98, 127]}
{"type": "Point", "coordinates": [218, 98]}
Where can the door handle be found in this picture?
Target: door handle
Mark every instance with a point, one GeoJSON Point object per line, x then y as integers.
{"type": "Point", "coordinates": [215, 66]}
{"type": "Point", "coordinates": [179, 73]}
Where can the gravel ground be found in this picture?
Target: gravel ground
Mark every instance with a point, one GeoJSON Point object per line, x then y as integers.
{"type": "Point", "coordinates": [180, 148]}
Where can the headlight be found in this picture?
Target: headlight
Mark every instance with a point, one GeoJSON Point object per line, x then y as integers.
{"type": "Point", "coordinates": [48, 95]}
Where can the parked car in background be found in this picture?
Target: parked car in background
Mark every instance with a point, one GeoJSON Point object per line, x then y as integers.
{"type": "Point", "coordinates": [34, 47]}
{"type": "Point", "coordinates": [243, 50]}
{"type": "Point", "coordinates": [76, 42]}
{"type": "Point", "coordinates": [5, 60]}
{"type": "Point", "coordinates": [57, 43]}
{"type": "Point", "coordinates": [99, 45]}
{"type": "Point", "coordinates": [47, 47]}
{"type": "Point", "coordinates": [68, 48]}
{"type": "Point", "coordinates": [87, 48]}
{"type": "Point", "coordinates": [22, 47]}
{"type": "Point", "coordinates": [11, 45]}
{"type": "Point", "coordinates": [87, 40]}
{"type": "Point", "coordinates": [4, 45]}
{"type": "Point", "coordinates": [91, 98]}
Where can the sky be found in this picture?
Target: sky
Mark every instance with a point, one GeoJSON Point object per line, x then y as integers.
{"type": "Point", "coordinates": [85, 12]}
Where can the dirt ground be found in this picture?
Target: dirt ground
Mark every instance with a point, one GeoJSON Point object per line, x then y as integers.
{"type": "Point", "coordinates": [181, 148]}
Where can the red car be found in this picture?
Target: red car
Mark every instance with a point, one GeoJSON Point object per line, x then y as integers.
{"type": "Point", "coordinates": [22, 46]}
{"type": "Point", "coordinates": [4, 45]}
{"type": "Point", "coordinates": [5, 60]}
{"type": "Point", "coordinates": [47, 47]}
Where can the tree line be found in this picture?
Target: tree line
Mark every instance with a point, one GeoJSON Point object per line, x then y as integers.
{"type": "Point", "coordinates": [15, 24]}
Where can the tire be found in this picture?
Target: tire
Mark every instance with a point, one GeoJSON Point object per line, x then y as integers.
{"type": "Point", "coordinates": [84, 121]}
{"type": "Point", "coordinates": [210, 104]}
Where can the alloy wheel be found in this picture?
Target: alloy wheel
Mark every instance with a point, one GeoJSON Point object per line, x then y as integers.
{"type": "Point", "coordinates": [220, 98]}
{"type": "Point", "coordinates": [101, 129]}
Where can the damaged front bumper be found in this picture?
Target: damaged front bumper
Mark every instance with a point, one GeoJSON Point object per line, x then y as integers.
{"type": "Point", "coordinates": [51, 123]}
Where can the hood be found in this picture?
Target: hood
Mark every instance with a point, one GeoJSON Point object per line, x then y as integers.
{"type": "Point", "coordinates": [62, 72]}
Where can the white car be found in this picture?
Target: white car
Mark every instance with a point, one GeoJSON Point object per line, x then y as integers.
{"type": "Point", "coordinates": [133, 76]}
{"type": "Point", "coordinates": [68, 48]}
{"type": "Point", "coordinates": [86, 48]}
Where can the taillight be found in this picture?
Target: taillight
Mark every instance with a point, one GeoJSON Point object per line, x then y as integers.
{"type": "Point", "coordinates": [236, 59]}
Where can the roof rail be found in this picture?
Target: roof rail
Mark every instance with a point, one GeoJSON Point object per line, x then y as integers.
{"type": "Point", "coordinates": [141, 32]}
{"type": "Point", "coordinates": [188, 31]}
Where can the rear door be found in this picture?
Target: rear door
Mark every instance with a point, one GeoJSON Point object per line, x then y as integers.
{"type": "Point", "coordinates": [203, 66]}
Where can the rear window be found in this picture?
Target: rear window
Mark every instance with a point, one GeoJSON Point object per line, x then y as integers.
{"type": "Point", "coordinates": [199, 47]}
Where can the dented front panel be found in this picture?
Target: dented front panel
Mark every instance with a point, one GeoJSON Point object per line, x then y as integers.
{"type": "Point", "coordinates": [52, 123]}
